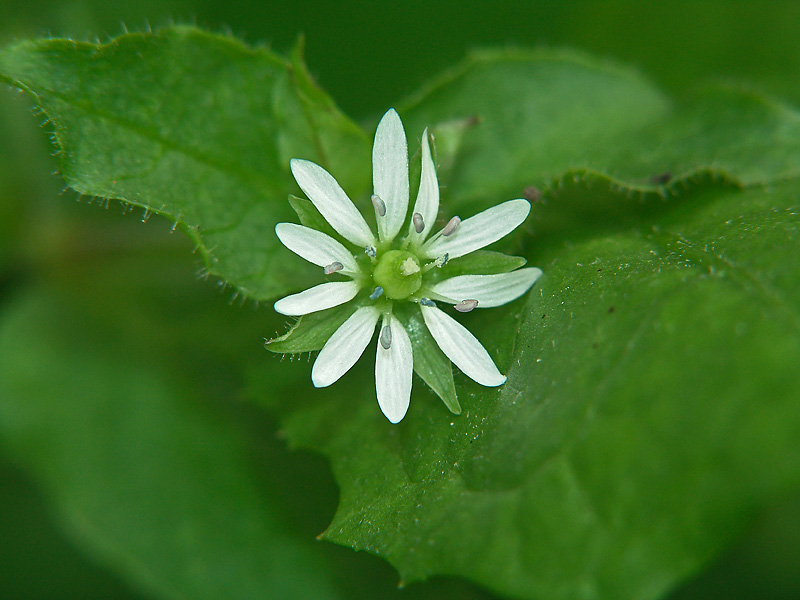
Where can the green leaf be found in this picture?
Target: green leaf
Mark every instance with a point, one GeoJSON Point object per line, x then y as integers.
{"type": "Point", "coordinates": [651, 405]}
{"type": "Point", "coordinates": [142, 472]}
{"type": "Point", "coordinates": [121, 391]}
{"type": "Point", "coordinates": [311, 217]}
{"type": "Point", "coordinates": [482, 262]}
{"type": "Point", "coordinates": [310, 332]}
{"type": "Point", "coordinates": [652, 400]}
{"type": "Point", "coordinates": [567, 114]}
{"type": "Point", "coordinates": [30, 540]}
{"type": "Point", "coordinates": [196, 127]}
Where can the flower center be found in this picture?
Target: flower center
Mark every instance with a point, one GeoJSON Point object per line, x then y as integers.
{"type": "Point", "coordinates": [398, 273]}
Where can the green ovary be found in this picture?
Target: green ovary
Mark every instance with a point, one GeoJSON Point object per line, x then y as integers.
{"type": "Point", "coordinates": [398, 273]}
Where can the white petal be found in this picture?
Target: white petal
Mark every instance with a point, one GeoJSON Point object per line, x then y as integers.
{"type": "Point", "coordinates": [461, 347]}
{"type": "Point", "coordinates": [427, 203]}
{"type": "Point", "coordinates": [319, 297]}
{"type": "Point", "coordinates": [479, 231]}
{"type": "Point", "coordinates": [345, 346]}
{"type": "Point", "coordinates": [316, 247]}
{"type": "Point", "coordinates": [393, 372]}
{"type": "Point", "coordinates": [390, 173]}
{"type": "Point", "coordinates": [488, 290]}
{"type": "Point", "coordinates": [330, 200]}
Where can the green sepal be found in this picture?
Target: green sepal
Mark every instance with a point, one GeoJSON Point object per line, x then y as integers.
{"type": "Point", "coordinates": [481, 262]}
{"type": "Point", "coordinates": [310, 332]}
{"type": "Point", "coordinates": [446, 141]}
{"type": "Point", "coordinates": [309, 215]}
{"type": "Point", "coordinates": [430, 363]}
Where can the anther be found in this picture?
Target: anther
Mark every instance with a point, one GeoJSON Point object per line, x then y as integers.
{"type": "Point", "coordinates": [442, 260]}
{"type": "Point", "coordinates": [451, 226]}
{"type": "Point", "coordinates": [386, 337]}
{"type": "Point", "coordinates": [370, 251]}
{"type": "Point", "coordinates": [466, 305]}
{"type": "Point", "coordinates": [427, 302]}
{"type": "Point", "coordinates": [376, 293]}
{"type": "Point", "coordinates": [333, 268]}
{"type": "Point", "coordinates": [419, 224]}
{"type": "Point", "coordinates": [379, 204]}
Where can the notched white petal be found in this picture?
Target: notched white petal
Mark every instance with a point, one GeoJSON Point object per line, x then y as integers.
{"type": "Point", "coordinates": [481, 230]}
{"type": "Point", "coordinates": [319, 297]}
{"type": "Point", "coordinates": [390, 173]}
{"type": "Point", "coordinates": [394, 368]}
{"type": "Point", "coordinates": [461, 347]}
{"type": "Point", "coordinates": [344, 347]}
{"type": "Point", "coordinates": [488, 290]}
{"type": "Point", "coordinates": [331, 201]}
{"type": "Point", "coordinates": [316, 247]}
{"type": "Point", "coordinates": [427, 203]}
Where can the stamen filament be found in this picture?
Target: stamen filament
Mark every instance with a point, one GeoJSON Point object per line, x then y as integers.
{"type": "Point", "coordinates": [438, 263]}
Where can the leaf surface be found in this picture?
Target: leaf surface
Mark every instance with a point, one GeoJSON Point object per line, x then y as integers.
{"type": "Point", "coordinates": [196, 127]}
{"type": "Point", "coordinates": [652, 397]}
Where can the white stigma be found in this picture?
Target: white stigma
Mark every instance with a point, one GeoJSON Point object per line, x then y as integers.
{"type": "Point", "coordinates": [451, 226]}
{"type": "Point", "coordinates": [379, 205]}
{"type": "Point", "coordinates": [466, 305]}
{"type": "Point", "coordinates": [409, 266]}
{"type": "Point", "coordinates": [333, 268]}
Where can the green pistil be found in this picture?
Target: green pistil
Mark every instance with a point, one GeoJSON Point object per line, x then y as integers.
{"type": "Point", "coordinates": [398, 273]}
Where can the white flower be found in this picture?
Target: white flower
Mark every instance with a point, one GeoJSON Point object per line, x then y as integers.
{"type": "Point", "coordinates": [392, 269]}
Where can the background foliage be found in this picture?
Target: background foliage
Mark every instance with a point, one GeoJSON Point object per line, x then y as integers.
{"type": "Point", "coordinates": [97, 305]}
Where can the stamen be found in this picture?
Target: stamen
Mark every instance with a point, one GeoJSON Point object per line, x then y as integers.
{"type": "Point", "coordinates": [466, 305]}
{"type": "Point", "coordinates": [438, 263]}
{"type": "Point", "coordinates": [419, 224]}
{"type": "Point", "coordinates": [379, 204]}
{"type": "Point", "coordinates": [427, 302]}
{"type": "Point", "coordinates": [386, 337]}
{"type": "Point", "coordinates": [333, 268]}
{"type": "Point", "coordinates": [376, 293]}
{"type": "Point", "coordinates": [370, 251]}
{"type": "Point", "coordinates": [451, 226]}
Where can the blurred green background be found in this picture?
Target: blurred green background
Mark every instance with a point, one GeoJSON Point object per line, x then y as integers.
{"type": "Point", "coordinates": [367, 55]}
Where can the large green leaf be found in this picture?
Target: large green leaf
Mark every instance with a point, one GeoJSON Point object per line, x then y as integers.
{"type": "Point", "coordinates": [144, 476]}
{"type": "Point", "coordinates": [119, 379]}
{"type": "Point", "coordinates": [565, 114]}
{"type": "Point", "coordinates": [196, 127]}
{"type": "Point", "coordinates": [652, 402]}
